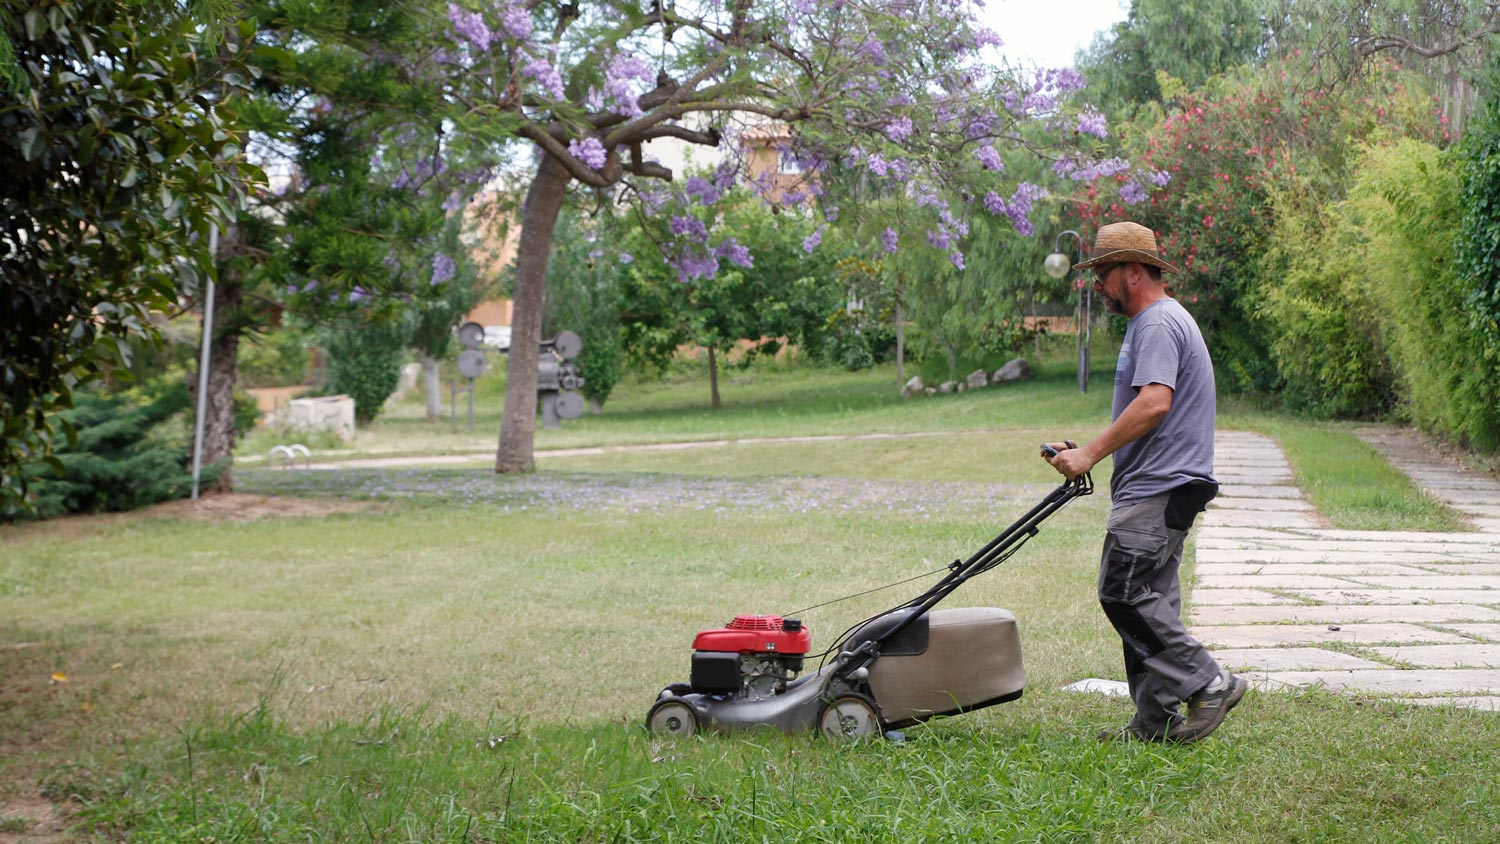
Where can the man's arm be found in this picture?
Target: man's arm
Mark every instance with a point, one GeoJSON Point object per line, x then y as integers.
{"type": "Point", "coordinates": [1143, 414]}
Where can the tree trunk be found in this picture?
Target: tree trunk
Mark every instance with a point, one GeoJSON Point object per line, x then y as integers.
{"type": "Point", "coordinates": [713, 378]}
{"type": "Point", "coordinates": [223, 362]}
{"type": "Point", "coordinates": [432, 381]}
{"type": "Point", "coordinates": [544, 201]}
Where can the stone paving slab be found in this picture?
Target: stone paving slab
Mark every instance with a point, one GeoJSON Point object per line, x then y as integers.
{"type": "Point", "coordinates": [1275, 581]}
{"type": "Point", "coordinates": [1461, 568]}
{"type": "Point", "coordinates": [1478, 631]}
{"type": "Point", "coordinates": [1395, 681]}
{"type": "Point", "coordinates": [1484, 597]}
{"type": "Point", "coordinates": [1290, 659]}
{"type": "Point", "coordinates": [1448, 615]}
{"type": "Point", "coordinates": [1290, 542]}
{"type": "Point", "coordinates": [1258, 491]}
{"type": "Point", "coordinates": [1281, 555]}
{"type": "Point", "coordinates": [1436, 581]}
{"type": "Point", "coordinates": [1434, 538]}
{"type": "Point", "coordinates": [1341, 570]}
{"type": "Point", "coordinates": [1253, 597]}
{"type": "Point", "coordinates": [1223, 503]}
{"type": "Point", "coordinates": [1444, 656]}
{"type": "Point", "coordinates": [1278, 635]}
{"type": "Point", "coordinates": [1247, 518]}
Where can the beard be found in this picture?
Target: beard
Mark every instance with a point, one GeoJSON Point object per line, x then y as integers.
{"type": "Point", "coordinates": [1111, 304]}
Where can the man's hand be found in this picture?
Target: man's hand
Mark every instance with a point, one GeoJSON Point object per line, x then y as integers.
{"type": "Point", "coordinates": [1067, 458]}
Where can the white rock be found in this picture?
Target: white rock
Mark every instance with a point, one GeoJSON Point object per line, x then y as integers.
{"type": "Point", "coordinates": [977, 379]}
{"type": "Point", "coordinates": [1016, 370]}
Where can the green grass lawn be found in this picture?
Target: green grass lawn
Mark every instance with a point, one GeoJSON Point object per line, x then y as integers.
{"type": "Point", "coordinates": [469, 658]}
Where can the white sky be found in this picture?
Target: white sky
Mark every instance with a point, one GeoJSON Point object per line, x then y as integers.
{"type": "Point", "coordinates": [1047, 33]}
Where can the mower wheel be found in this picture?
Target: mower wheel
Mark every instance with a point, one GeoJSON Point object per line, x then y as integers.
{"type": "Point", "coordinates": [850, 717]}
{"type": "Point", "coordinates": [673, 718]}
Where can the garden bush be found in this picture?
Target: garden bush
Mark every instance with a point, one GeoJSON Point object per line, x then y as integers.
{"type": "Point", "coordinates": [1473, 413]}
{"type": "Point", "coordinates": [132, 450]}
{"type": "Point", "coordinates": [1319, 312]}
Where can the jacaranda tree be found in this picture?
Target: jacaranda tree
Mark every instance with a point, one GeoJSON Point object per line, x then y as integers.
{"type": "Point", "coordinates": [895, 89]}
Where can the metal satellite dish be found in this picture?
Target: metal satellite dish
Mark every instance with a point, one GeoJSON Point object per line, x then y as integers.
{"type": "Point", "coordinates": [569, 405]}
{"type": "Point", "coordinates": [568, 345]}
{"type": "Point", "coordinates": [471, 362]}
{"type": "Point", "coordinates": [471, 335]}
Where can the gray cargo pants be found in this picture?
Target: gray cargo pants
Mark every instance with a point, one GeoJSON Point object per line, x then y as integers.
{"type": "Point", "coordinates": [1142, 596]}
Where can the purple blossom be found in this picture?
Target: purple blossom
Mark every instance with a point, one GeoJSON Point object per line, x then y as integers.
{"type": "Point", "coordinates": [443, 268]}
{"type": "Point", "coordinates": [694, 265]}
{"type": "Point", "coordinates": [516, 21]}
{"type": "Point", "coordinates": [735, 253]}
{"type": "Point", "coordinates": [624, 70]}
{"type": "Point", "coordinates": [590, 151]}
{"type": "Point", "coordinates": [989, 157]}
{"type": "Point", "coordinates": [940, 238]}
{"type": "Point", "coordinates": [707, 192]}
{"type": "Point", "coordinates": [1092, 122]}
{"type": "Point", "coordinates": [470, 27]}
{"type": "Point", "coordinates": [889, 240]}
{"type": "Point", "coordinates": [626, 258]}
{"type": "Point", "coordinates": [957, 258]}
{"type": "Point", "coordinates": [876, 164]}
{"type": "Point", "coordinates": [689, 227]}
{"type": "Point", "coordinates": [813, 240]}
{"type": "Point", "coordinates": [899, 130]}
{"type": "Point", "coordinates": [1159, 178]}
{"type": "Point", "coordinates": [993, 203]}
{"type": "Point", "coordinates": [1132, 193]}
{"type": "Point", "coordinates": [831, 213]}
{"type": "Point", "coordinates": [874, 50]}
{"type": "Point", "coordinates": [986, 37]}
{"type": "Point", "coordinates": [546, 75]}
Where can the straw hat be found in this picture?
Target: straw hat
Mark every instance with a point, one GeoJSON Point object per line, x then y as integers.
{"type": "Point", "coordinates": [1124, 243]}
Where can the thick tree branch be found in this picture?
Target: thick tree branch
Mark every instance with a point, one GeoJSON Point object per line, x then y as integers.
{"type": "Point", "coordinates": [1366, 47]}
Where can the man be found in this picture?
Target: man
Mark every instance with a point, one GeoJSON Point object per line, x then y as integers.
{"type": "Point", "coordinates": [1162, 439]}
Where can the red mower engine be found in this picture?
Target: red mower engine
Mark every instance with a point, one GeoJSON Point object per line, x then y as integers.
{"type": "Point", "coordinates": [751, 658]}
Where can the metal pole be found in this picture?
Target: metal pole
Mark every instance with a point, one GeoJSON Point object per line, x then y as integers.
{"type": "Point", "coordinates": [471, 405]}
{"type": "Point", "coordinates": [1085, 309]}
{"type": "Point", "coordinates": [208, 337]}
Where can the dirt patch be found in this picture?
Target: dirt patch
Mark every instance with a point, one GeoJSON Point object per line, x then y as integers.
{"type": "Point", "coordinates": [31, 819]}
{"type": "Point", "coordinates": [213, 509]}
{"type": "Point", "coordinates": [242, 507]}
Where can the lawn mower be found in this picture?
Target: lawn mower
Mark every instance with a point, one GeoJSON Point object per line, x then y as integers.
{"type": "Point", "coordinates": [897, 668]}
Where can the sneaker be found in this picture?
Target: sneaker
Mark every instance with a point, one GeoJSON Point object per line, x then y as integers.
{"type": "Point", "coordinates": [1206, 711]}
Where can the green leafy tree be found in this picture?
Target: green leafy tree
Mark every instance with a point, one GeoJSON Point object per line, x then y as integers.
{"type": "Point", "coordinates": [772, 288]}
{"type": "Point", "coordinates": [348, 231]}
{"type": "Point", "coordinates": [584, 295]}
{"type": "Point", "coordinates": [364, 363]}
{"type": "Point", "coordinates": [1189, 41]}
{"type": "Point", "coordinates": [117, 163]}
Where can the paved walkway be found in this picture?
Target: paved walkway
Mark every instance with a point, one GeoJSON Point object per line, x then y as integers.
{"type": "Point", "coordinates": [1288, 601]}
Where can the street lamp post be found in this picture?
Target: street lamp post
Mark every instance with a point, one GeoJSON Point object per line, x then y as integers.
{"type": "Point", "coordinates": [1058, 266]}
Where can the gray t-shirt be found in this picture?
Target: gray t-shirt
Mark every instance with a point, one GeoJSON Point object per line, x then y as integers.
{"type": "Point", "coordinates": [1163, 346]}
